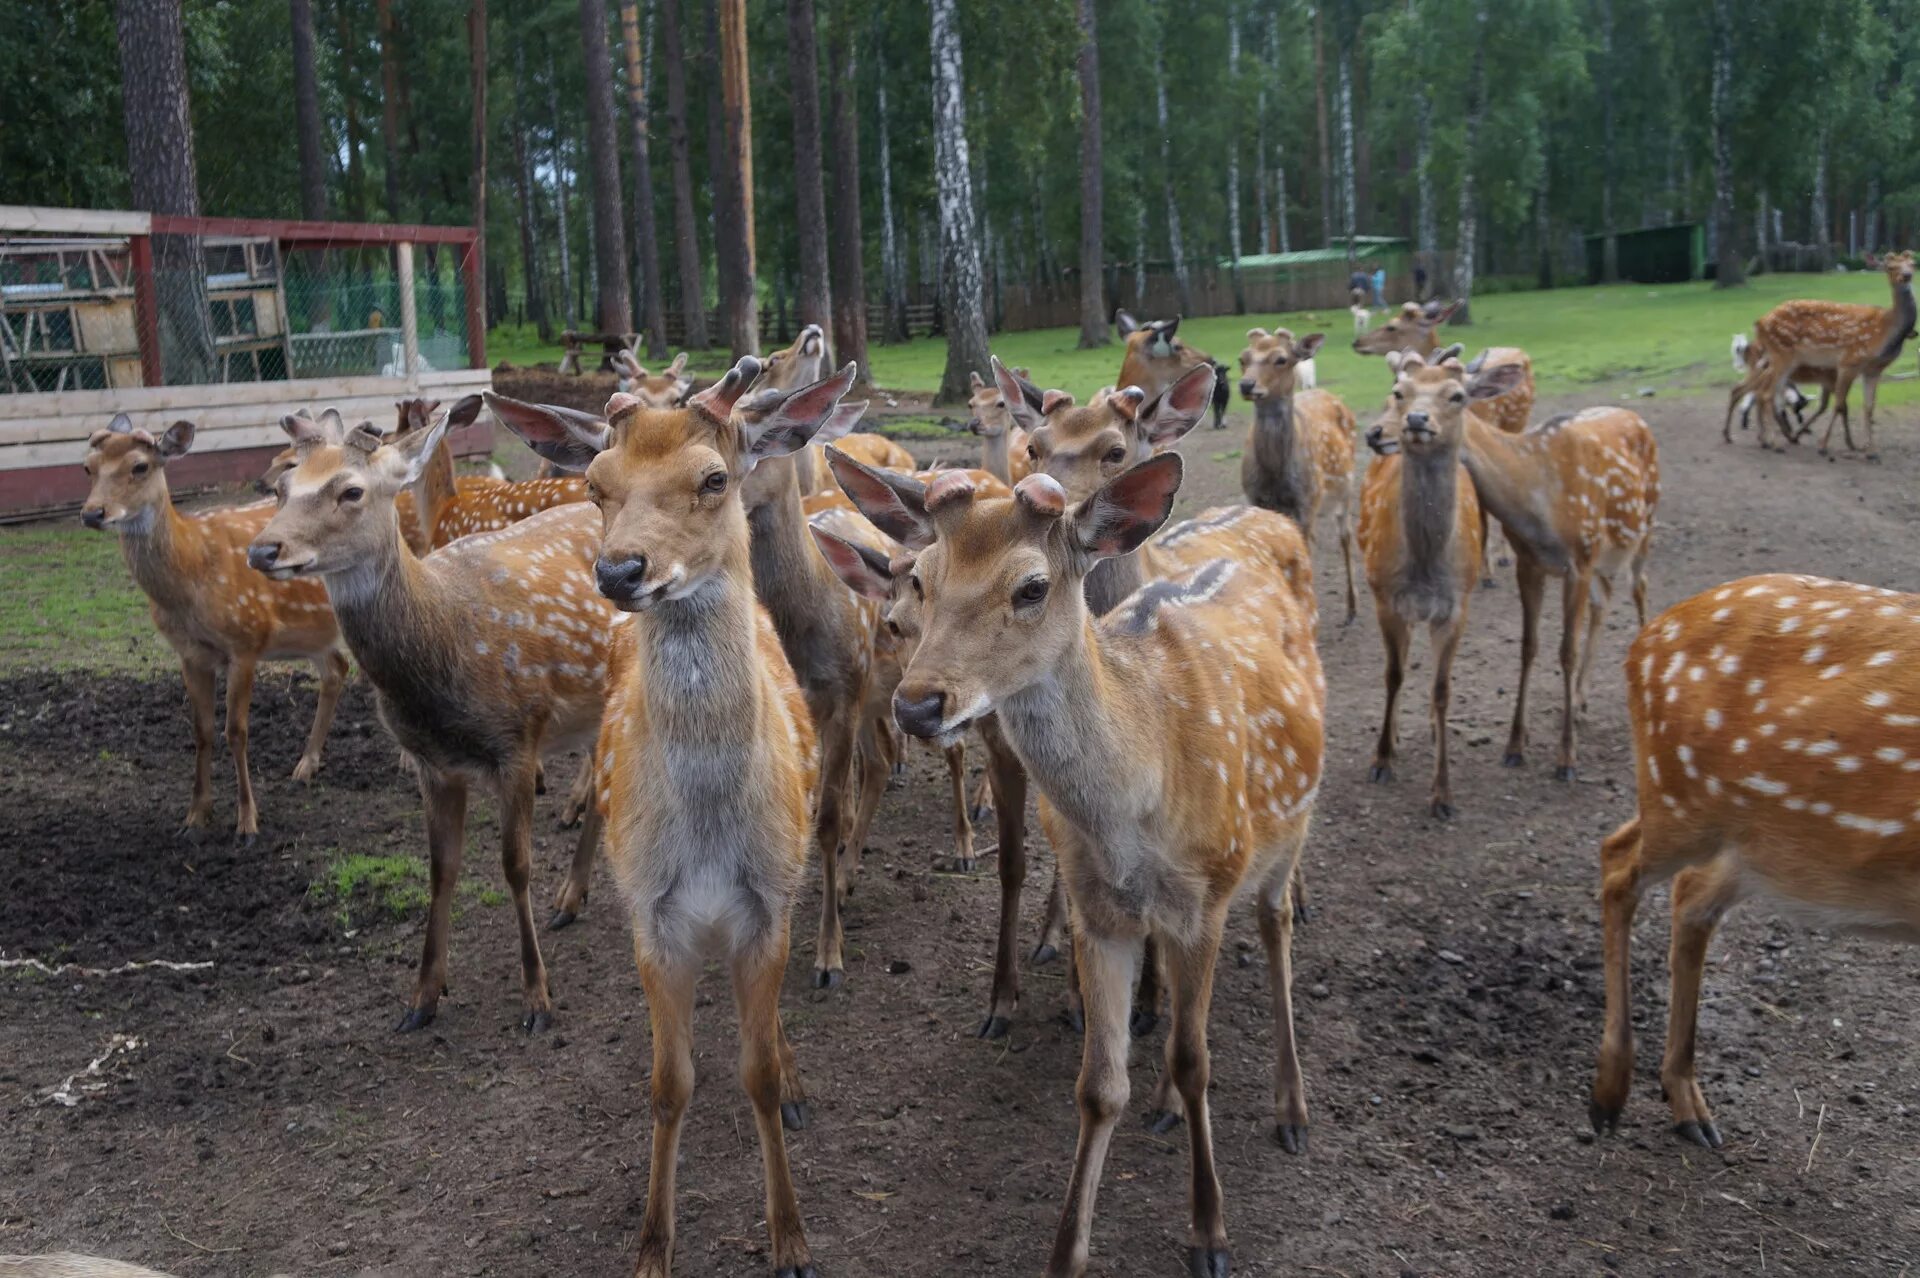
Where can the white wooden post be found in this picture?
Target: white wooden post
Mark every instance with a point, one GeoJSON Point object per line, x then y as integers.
{"type": "Point", "coordinates": [409, 317]}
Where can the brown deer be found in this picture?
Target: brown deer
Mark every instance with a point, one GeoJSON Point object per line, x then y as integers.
{"type": "Point", "coordinates": [1750, 361]}
{"type": "Point", "coordinates": [1854, 342]}
{"type": "Point", "coordinates": [877, 566]}
{"type": "Point", "coordinates": [1196, 684]}
{"type": "Point", "coordinates": [484, 655]}
{"type": "Point", "coordinates": [1575, 496]}
{"type": "Point", "coordinates": [1416, 329]}
{"type": "Point", "coordinates": [1156, 358]}
{"type": "Point", "coordinates": [1420, 536]}
{"type": "Point", "coordinates": [707, 752]}
{"type": "Point", "coordinates": [213, 612]}
{"type": "Point", "coordinates": [870, 449]}
{"type": "Point", "coordinates": [667, 389]}
{"type": "Point", "coordinates": [1299, 455]}
{"type": "Point", "coordinates": [1775, 739]}
{"type": "Point", "coordinates": [1003, 445]}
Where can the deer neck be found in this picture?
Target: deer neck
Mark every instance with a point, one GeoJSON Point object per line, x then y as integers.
{"type": "Point", "coordinates": [788, 574]}
{"type": "Point", "coordinates": [1515, 479]}
{"type": "Point", "coordinates": [1900, 320]}
{"type": "Point", "coordinates": [166, 553]}
{"type": "Point", "coordinates": [701, 681]}
{"type": "Point", "coordinates": [1280, 452]}
{"type": "Point", "coordinates": [1429, 491]}
{"type": "Point", "coordinates": [995, 456]}
{"type": "Point", "coordinates": [392, 612]}
{"type": "Point", "coordinates": [1113, 580]}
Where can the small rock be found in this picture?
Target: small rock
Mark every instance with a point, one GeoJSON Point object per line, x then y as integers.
{"type": "Point", "coordinates": [337, 1249]}
{"type": "Point", "coordinates": [899, 967]}
{"type": "Point", "coordinates": [1318, 990]}
{"type": "Point", "coordinates": [1462, 1133]}
{"type": "Point", "coordinates": [1448, 956]}
{"type": "Point", "coordinates": [1560, 1211]}
{"type": "Point", "coordinates": [1427, 1056]}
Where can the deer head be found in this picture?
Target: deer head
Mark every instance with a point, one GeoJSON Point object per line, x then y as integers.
{"type": "Point", "coordinates": [800, 364]}
{"type": "Point", "coordinates": [1270, 362]}
{"type": "Point", "coordinates": [1412, 329]}
{"type": "Point", "coordinates": [128, 469]}
{"type": "Point", "coordinates": [1155, 355]}
{"type": "Point", "coordinates": [1898, 266]}
{"type": "Point", "coordinates": [1426, 414]}
{"type": "Point", "coordinates": [1083, 446]}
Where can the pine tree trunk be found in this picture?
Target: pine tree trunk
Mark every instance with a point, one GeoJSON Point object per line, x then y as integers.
{"type": "Point", "coordinates": [1610, 246]}
{"type": "Point", "coordinates": [1320, 113]}
{"type": "Point", "coordinates": [159, 125]}
{"type": "Point", "coordinates": [849, 265]}
{"type": "Point", "coordinates": [893, 263]}
{"type": "Point", "coordinates": [1348, 213]}
{"type": "Point", "coordinates": [1822, 233]}
{"type": "Point", "coordinates": [733, 219]}
{"type": "Point", "coordinates": [1729, 271]}
{"type": "Point", "coordinates": [389, 104]}
{"type": "Point", "coordinates": [556, 155]}
{"type": "Point", "coordinates": [809, 195]}
{"type": "Point", "coordinates": [1261, 199]}
{"type": "Point", "coordinates": [686, 229]}
{"type": "Point", "coordinates": [529, 223]}
{"type": "Point", "coordinates": [1543, 225]}
{"type": "Point", "coordinates": [356, 192]}
{"type": "Point", "coordinates": [613, 300]}
{"type": "Point", "coordinates": [1093, 245]}
{"type": "Point", "coordinates": [477, 181]}
{"type": "Point", "coordinates": [1233, 166]}
{"type": "Point", "coordinates": [306, 115]}
{"type": "Point", "coordinates": [1176, 243]}
{"type": "Point", "coordinates": [1476, 111]}
{"type": "Point", "coordinates": [1427, 220]}
{"type": "Point", "coordinates": [966, 325]}
{"type": "Point", "coordinates": [650, 308]}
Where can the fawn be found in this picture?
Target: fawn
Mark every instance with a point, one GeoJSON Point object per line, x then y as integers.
{"type": "Point", "coordinates": [207, 606]}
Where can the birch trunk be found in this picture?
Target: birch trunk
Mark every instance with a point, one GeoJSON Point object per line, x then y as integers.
{"type": "Point", "coordinates": [966, 325]}
{"type": "Point", "coordinates": [650, 308]}
{"type": "Point", "coordinates": [1093, 309]}
{"type": "Point", "coordinates": [1729, 271]}
{"type": "Point", "coordinates": [1176, 245]}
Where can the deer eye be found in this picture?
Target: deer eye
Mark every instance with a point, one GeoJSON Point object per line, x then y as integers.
{"type": "Point", "coordinates": [1117, 454]}
{"type": "Point", "coordinates": [1030, 592]}
{"type": "Point", "coordinates": [1458, 397]}
{"type": "Point", "coordinates": [1397, 394]}
{"type": "Point", "coordinates": [715, 482]}
{"type": "Point", "coordinates": [351, 494]}
{"type": "Point", "coordinates": [919, 591]}
{"type": "Point", "coordinates": [1033, 454]}
{"type": "Point", "coordinates": [141, 468]}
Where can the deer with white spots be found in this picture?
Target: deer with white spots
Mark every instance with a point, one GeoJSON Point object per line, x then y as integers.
{"type": "Point", "coordinates": [1776, 735]}
{"type": "Point", "coordinates": [484, 655]}
{"type": "Point", "coordinates": [1299, 455]}
{"type": "Point", "coordinates": [1416, 329]}
{"type": "Point", "coordinates": [1193, 681]}
{"type": "Point", "coordinates": [209, 608]}
{"type": "Point", "coordinates": [1156, 357]}
{"type": "Point", "coordinates": [707, 752]}
{"type": "Point", "coordinates": [1420, 536]}
{"type": "Point", "coordinates": [1575, 496]}
{"type": "Point", "coordinates": [1852, 342]}
{"type": "Point", "coordinates": [1750, 361]}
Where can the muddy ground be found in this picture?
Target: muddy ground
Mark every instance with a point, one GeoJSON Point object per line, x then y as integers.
{"type": "Point", "coordinates": [1449, 1000]}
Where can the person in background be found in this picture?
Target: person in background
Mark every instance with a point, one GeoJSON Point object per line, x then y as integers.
{"type": "Point", "coordinates": [1419, 283]}
{"type": "Point", "coordinates": [1379, 286]}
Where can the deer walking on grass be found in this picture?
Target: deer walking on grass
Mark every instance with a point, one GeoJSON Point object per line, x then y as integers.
{"type": "Point", "coordinates": [213, 612]}
{"type": "Point", "coordinates": [1198, 684]}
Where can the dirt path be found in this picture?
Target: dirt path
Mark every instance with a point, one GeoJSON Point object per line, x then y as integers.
{"type": "Point", "coordinates": [1448, 996]}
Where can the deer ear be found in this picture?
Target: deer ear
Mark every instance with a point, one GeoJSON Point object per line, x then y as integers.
{"type": "Point", "coordinates": [303, 430]}
{"type": "Point", "coordinates": [568, 439]}
{"type": "Point", "coordinates": [1306, 346]}
{"type": "Point", "coordinates": [976, 381]}
{"type": "Point", "coordinates": [1025, 413]}
{"type": "Point", "coordinates": [679, 366]}
{"type": "Point", "coordinates": [121, 424]}
{"type": "Point", "coordinates": [1129, 508]}
{"type": "Point", "coordinates": [465, 411]}
{"type": "Point", "coordinates": [790, 422]}
{"type": "Point", "coordinates": [1177, 409]}
{"type": "Point", "coordinates": [895, 504]}
{"type": "Point", "coordinates": [175, 440]}
{"type": "Point", "coordinates": [1495, 381]}
{"type": "Point", "coordinates": [1125, 324]}
{"type": "Point", "coordinates": [863, 568]}
{"type": "Point", "coordinates": [844, 418]}
{"type": "Point", "coordinates": [405, 459]}
{"type": "Point", "coordinates": [717, 400]}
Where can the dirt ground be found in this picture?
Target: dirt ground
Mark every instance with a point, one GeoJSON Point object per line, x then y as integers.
{"type": "Point", "coordinates": [1449, 1000]}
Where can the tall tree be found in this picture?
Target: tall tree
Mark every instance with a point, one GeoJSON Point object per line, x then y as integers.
{"type": "Point", "coordinates": [849, 271]}
{"type": "Point", "coordinates": [809, 195]}
{"type": "Point", "coordinates": [556, 155]}
{"type": "Point", "coordinates": [613, 300]}
{"type": "Point", "coordinates": [966, 322]}
{"type": "Point", "coordinates": [1728, 271]}
{"type": "Point", "coordinates": [159, 124]}
{"type": "Point", "coordinates": [736, 196]}
{"type": "Point", "coordinates": [1428, 216]}
{"type": "Point", "coordinates": [649, 304]}
{"type": "Point", "coordinates": [1320, 115]}
{"type": "Point", "coordinates": [686, 229]}
{"type": "Point", "coordinates": [893, 263]}
{"type": "Point", "coordinates": [1610, 244]}
{"type": "Point", "coordinates": [477, 79]}
{"type": "Point", "coordinates": [523, 185]}
{"type": "Point", "coordinates": [1233, 163]}
{"type": "Point", "coordinates": [389, 103]}
{"type": "Point", "coordinates": [1093, 308]}
{"type": "Point", "coordinates": [306, 114]}
{"type": "Point", "coordinates": [1176, 243]}
{"type": "Point", "coordinates": [1476, 111]}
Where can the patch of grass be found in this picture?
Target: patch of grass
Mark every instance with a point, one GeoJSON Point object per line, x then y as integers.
{"type": "Point", "coordinates": [928, 426]}
{"type": "Point", "coordinates": [68, 602]}
{"type": "Point", "coordinates": [394, 885]}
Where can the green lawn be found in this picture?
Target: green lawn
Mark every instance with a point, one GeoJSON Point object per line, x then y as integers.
{"type": "Point", "coordinates": [66, 602]}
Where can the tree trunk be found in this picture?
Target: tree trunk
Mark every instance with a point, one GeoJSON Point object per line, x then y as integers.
{"type": "Point", "coordinates": [966, 325]}
{"type": "Point", "coordinates": [556, 156]}
{"type": "Point", "coordinates": [1279, 146]}
{"type": "Point", "coordinates": [1139, 253]}
{"type": "Point", "coordinates": [849, 266]}
{"type": "Point", "coordinates": [1093, 245]}
{"type": "Point", "coordinates": [733, 219]}
{"type": "Point", "coordinates": [1609, 246]}
{"type": "Point", "coordinates": [1261, 200]}
{"type": "Point", "coordinates": [1543, 225]}
{"type": "Point", "coordinates": [686, 230]}
{"type": "Point", "coordinates": [1428, 218]}
{"type": "Point", "coordinates": [1729, 271]}
{"type": "Point", "coordinates": [809, 195]}
{"type": "Point", "coordinates": [1476, 111]}
{"type": "Point", "coordinates": [613, 301]}
{"type": "Point", "coordinates": [1233, 166]}
{"type": "Point", "coordinates": [1176, 243]}
{"type": "Point", "coordinates": [1349, 215]}
{"type": "Point", "coordinates": [1320, 114]}
{"type": "Point", "coordinates": [389, 104]}
{"type": "Point", "coordinates": [306, 115]}
{"type": "Point", "coordinates": [477, 182]}
{"type": "Point", "coordinates": [1822, 233]}
{"type": "Point", "coordinates": [159, 125]}
{"type": "Point", "coordinates": [356, 193]}
{"type": "Point", "coordinates": [893, 265]}
{"type": "Point", "coordinates": [529, 223]}
{"type": "Point", "coordinates": [649, 305]}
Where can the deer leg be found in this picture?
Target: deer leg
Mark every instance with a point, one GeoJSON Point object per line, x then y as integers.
{"type": "Point", "coordinates": [757, 972]}
{"type": "Point", "coordinates": [573, 889]}
{"type": "Point", "coordinates": [1700, 897]}
{"type": "Point", "coordinates": [515, 795]}
{"type": "Point", "coordinates": [1276, 934]}
{"type": "Point", "coordinates": [1107, 969]}
{"type": "Point", "coordinates": [579, 795]}
{"type": "Point", "coordinates": [1598, 601]}
{"type": "Point", "coordinates": [1532, 580]}
{"type": "Point", "coordinates": [1486, 553]}
{"type": "Point", "coordinates": [1842, 385]}
{"type": "Point", "coordinates": [1620, 888]}
{"type": "Point", "coordinates": [332, 669]}
{"type": "Point", "coordinates": [1053, 927]}
{"type": "Point", "coordinates": [1739, 399]}
{"type": "Point", "coordinates": [836, 758]}
{"type": "Point", "coordinates": [1009, 781]}
{"type": "Point", "coordinates": [962, 861]}
{"type": "Point", "coordinates": [246, 825]}
{"type": "Point", "coordinates": [1869, 391]}
{"type": "Point", "coordinates": [873, 783]}
{"type": "Point", "coordinates": [1445, 641]}
{"type": "Point", "coordinates": [199, 679]}
{"type": "Point", "coordinates": [980, 807]}
{"type": "Point", "coordinates": [1190, 970]}
{"type": "Point", "coordinates": [1575, 588]}
{"type": "Point", "coordinates": [669, 993]}
{"type": "Point", "coordinates": [1343, 525]}
{"type": "Point", "coordinates": [445, 795]}
{"type": "Point", "coordinates": [1640, 557]}
{"type": "Point", "coordinates": [1397, 637]}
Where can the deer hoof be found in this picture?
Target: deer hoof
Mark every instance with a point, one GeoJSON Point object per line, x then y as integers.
{"type": "Point", "coordinates": [536, 1022]}
{"type": "Point", "coordinates": [1044, 954]}
{"type": "Point", "coordinates": [1487, 583]}
{"type": "Point", "coordinates": [1162, 1121]}
{"type": "Point", "coordinates": [794, 1115]}
{"type": "Point", "coordinates": [796, 1271]}
{"type": "Point", "coordinates": [994, 1027]}
{"type": "Point", "coordinates": [828, 978]}
{"type": "Point", "coordinates": [1302, 912]}
{"type": "Point", "coordinates": [1380, 772]}
{"type": "Point", "coordinates": [979, 814]}
{"type": "Point", "coordinates": [1292, 1137]}
{"type": "Point", "coordinates": [1703, 1134]}
{"type": "Point", "coordinates": [1605, 1118]}
{"type": "Point", "coordinates": [1207, 1262]}
{"type": "Point", "coordinates": [1565, 772]}
{"type": "Point", "coordinates": [1873, 457]}
{"type": "Point", "coordinates": [954, 865]}
{"type": "Point", "coordinates": [1076, 1020]}
{"type": "Point", "coordinates": [1142, 1022]}
{"type": "Point", "coordinates": [246, 838]}
{"type": "Point", "coordinates": [1443, 810]}
{"type": "Point", "coordinates": [414, 1018]}
{"type": "Point", "coordinates": [1513, 759]}
{"type": "Point", "coordinates": [306, 769]}
{"type": "Point", "coordinates": [561, 918]}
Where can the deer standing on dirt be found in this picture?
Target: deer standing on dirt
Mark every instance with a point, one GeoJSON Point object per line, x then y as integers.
{"type": "Point", "coordinates": [1776, 735]}
{"type": "Point", "coordinates": [212, 611]}
{"type": "Point", "coordinates": [707, 752]}
{"type": "Point", "coordinates": [484, 655]}
{"type": "Point", "coordinates": [1299, 455]}
{"type": "Point", "coordinates": [1195, 684]}
{"type": "Point", "coordinates": [1420, 535]}
{"type": "Point", "coordinates": [1853, 342]}
{"type": "Point", "coordinates": [1156, 358]}
{"type": "Point", "coordinates": [1750, 361]}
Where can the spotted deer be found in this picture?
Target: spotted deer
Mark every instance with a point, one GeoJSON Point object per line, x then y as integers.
{"type": "Point", "coordinates": [1420, 537]}
{"type": "Point", "coordinates": [707, 751]}
{"type": "Point", "coordinates": [1299, 455]}
{"type": "Point", "coordinates": [878, 566]}
{"type": "Point", "coordinates": [1776, 734]}
{"type": "Point", "coordinates": [1156, 358]}
{"type": "Point", "coordinates": [1750, 361]}
{"type": "Point", "coordinates": [873, 450]}
{"type": "Point", "coordinates": [211, 611]}
{"type": "Point", "coordinates": [1417, 329]}
{"type": "Point", "coordinates": [1575, 496]}
{"type": "Point", "coordinates": [1854, 342]}
{"type": "Point", "coordinates": [484, 655]}
{"type": "Point", "coordinates": [1195, 683]}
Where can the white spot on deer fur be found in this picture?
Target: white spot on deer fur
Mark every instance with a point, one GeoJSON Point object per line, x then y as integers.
{"type": "Point", "coordinates": [1880, 659]}
{"type": "Point", "coordinates": [1789, 624]}
{"type": "Point", "coordinates": [1754, 686]}
{"type": "Point", "coordinates": [1833, 671]}
{"type": "Point", "coordinates": [1885, 829]}
{"type": "Point", "coordinates": [1814, 653]}
{"type": "Point", "coordinates": [1673, 667]}
{"type": "Point", "coordinates": [1794, 804]}
{"type": "Point", "coordinates": [1764, 785]}
{"type": "Point", "coordinates": [1889, 754]}
{"type": "Point", "coordinates": [1847, 763]}
{"type": "Point", "coordinates": [1713, 718]}
{"type": "Point", "coordinates": [1877, 699]}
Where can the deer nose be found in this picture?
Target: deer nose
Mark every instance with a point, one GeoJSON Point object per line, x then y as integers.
{"type": "Point", "coordinates": [94, 517]}
{"type": "Point", "coordinates": [1376, 437]}
{"type": "Point", "coordinates": [263, 555]}
{"type": "Point", "coordinates": [1419, 421]}
{"type": "Point", "coordinates": [619, 579]}
{"type": "Point", "coordinates": [920, 716]}
{"type": "Point", "coordinates": [1246, 388]}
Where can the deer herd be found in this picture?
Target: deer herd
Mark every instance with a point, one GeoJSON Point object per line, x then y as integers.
{"type": "Point", "coordinates": [734, 605]}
